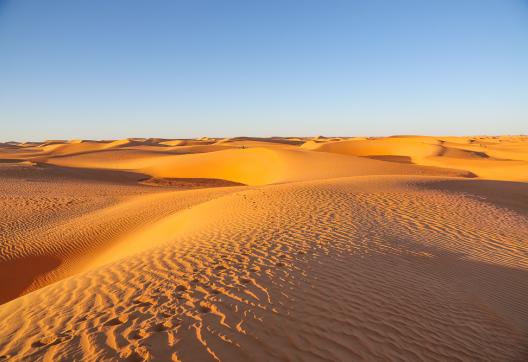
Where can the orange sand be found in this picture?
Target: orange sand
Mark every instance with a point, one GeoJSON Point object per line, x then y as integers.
{"type": "Point", "coordinates": [342, 249]}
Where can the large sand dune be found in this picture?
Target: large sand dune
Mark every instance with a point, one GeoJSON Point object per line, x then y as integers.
{"type": "Point", "coordinates": [252, 166]}
{"type": "Point", "coordinates": [399, 248]}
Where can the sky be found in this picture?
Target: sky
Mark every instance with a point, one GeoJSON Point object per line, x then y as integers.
{"type": "Point", "coordinates": [108, 69]}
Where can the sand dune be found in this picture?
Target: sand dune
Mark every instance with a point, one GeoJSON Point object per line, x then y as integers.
{"type": "Point", "coordinates": [484, 157]}
{"type": "Point", "coordinates": [72, 222]}
{"type": "Point", "coordinates": [253, 166]}
{"type": "Point", "coordinates": [322, 249]}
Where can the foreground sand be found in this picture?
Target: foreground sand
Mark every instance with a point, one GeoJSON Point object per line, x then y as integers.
{"type": "Point", "coordinates": [403, 248]}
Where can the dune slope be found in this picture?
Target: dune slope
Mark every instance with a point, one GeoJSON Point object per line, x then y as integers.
{"type": "Point", "coordinates": [50, 233]}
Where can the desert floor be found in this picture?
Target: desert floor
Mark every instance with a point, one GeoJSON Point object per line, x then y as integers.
{"type": "Point", "coordinates": [333, 249]}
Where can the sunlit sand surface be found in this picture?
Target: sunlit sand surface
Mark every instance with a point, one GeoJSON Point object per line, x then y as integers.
{"type": "Point", "coordinates": [336, 249]}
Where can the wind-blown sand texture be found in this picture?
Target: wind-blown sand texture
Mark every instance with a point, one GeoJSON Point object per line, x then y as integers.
{"type": "Point", "coordinates": [332, 249]}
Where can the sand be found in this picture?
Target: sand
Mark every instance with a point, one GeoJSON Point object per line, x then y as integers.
{"type": "Point", "coordinates": [397, 248]}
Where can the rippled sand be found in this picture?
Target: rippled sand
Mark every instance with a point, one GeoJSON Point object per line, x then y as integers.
{"type": "Point", "coordinates": [399, 248]}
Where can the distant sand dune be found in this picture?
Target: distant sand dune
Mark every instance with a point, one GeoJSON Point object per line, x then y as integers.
{"type": "Point", "coordinates": [486, 158]}
{"type": "Point", "coordinates": [253, 166]}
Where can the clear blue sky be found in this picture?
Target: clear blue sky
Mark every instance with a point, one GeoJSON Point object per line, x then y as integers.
{"type": "Point", "coordinates": [188, 68]}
